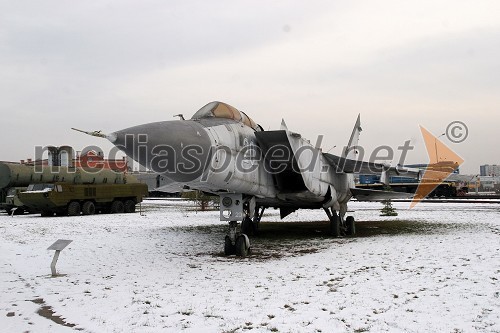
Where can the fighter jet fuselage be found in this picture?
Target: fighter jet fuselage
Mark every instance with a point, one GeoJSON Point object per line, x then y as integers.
{"type": "Point", "coordinates": [225, 155]}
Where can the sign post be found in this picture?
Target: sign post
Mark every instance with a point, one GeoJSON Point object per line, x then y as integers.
{"type": "Point", "coordinates": [58, 246]}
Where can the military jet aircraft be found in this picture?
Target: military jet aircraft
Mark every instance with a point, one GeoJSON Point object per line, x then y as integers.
{"type": "Point", "coordinates": [222, 151]}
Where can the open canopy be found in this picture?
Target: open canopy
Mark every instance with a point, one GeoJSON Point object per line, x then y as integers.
{"type": "Point", "coordinates": [223, 110]}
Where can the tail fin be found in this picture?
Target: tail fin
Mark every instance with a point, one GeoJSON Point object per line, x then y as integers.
{"type": "Point", "coordinates": [350, 149]}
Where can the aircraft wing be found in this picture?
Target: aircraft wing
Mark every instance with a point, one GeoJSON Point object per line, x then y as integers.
{"type": "Point", "coordinates": [377, 195]}
{"type": "Point", "coordinates": [345, 165]}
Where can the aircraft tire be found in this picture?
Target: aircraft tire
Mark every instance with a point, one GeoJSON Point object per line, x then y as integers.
{"type": "Point", "coordinates": [241, 247]}
{"type": "Point", "coordinates": [88, 208]}
{"type": "Point", "coordinates": [351, 226]}
{"type": "Point", "coordinates": [74, 208]}
{"type": "Point", "coordinates": [229, 248]}
{"type": "Point", "coordinates": [335, 226]}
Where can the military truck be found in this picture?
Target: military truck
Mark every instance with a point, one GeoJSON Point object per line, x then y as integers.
{"type": "Point", "coordinates": [14, 176]}
{"type": "Point", "coordinates": [74, 199]}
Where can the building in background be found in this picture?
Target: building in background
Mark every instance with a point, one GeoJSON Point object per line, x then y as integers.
{"type": "Point", "coordinates": [489, 183]}
{"type": "Point", "coordinates": [93, 159]}
{"type": "Point", "coordinates": [489, 170]}
{"type": "Point", "coordinates": [65, 156]}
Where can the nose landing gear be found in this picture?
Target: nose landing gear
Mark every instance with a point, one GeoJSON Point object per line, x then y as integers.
{"type": "Point", "coordinates": [236, 242]}
{"type": "Point", "coordinates": [234, 208]}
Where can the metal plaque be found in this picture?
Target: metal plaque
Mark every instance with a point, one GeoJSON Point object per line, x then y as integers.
{"type": "Point", "coordinates": [60, 244]}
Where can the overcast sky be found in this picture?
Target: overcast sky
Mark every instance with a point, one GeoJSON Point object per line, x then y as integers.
{"type": "Point", "coordinates": [108, 65]}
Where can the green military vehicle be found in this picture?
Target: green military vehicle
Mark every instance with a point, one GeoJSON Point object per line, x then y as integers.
{"type": "Point", "coordinates": [16, 177]}
{"type": "Point", "coordinates": [87, 199]}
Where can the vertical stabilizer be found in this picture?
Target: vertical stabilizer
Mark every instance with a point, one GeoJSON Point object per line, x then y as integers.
{"type": "Point", "coordinates": [350, 149]}
{"type": "Point", "coordinates": [283, 125]}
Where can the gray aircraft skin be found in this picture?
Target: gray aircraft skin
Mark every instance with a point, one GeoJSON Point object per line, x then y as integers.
{"type": "Point", "coordinates": [221, 150]}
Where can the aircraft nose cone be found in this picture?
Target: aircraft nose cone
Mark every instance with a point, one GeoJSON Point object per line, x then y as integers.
{"type": "Point", "coordinates": [178, 149]}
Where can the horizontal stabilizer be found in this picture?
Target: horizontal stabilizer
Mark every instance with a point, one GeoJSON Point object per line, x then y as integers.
{"type": "Point", "coordinates": [345, 165]}
{"type": "Point", "coordinates": [377, 195]}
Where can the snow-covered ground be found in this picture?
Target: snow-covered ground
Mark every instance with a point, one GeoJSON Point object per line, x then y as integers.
{"type": "Point", "coordinates": [434, 268]}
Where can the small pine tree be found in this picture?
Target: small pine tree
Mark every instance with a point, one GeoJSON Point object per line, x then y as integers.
{"type": "Point", "coordinates": [388, 210]}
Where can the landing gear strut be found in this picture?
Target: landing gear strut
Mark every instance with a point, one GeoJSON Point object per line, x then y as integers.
{"type": "Point", "coordinates": [250, 226]}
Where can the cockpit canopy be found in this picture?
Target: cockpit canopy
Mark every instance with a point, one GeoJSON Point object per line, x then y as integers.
{"type": "Point", "coordinates": [223, 110]}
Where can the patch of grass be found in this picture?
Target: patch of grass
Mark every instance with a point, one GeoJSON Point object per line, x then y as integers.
{"type": "Point", "coordinates": [234, 330]}
{"type": "Point", "coordinates": [186, 312]}
{"type": "Point", "coordinates": [362, 329]}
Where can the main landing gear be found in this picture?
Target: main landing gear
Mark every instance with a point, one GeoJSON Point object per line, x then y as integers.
{"type": "Point", "coordinates": [339, 226]}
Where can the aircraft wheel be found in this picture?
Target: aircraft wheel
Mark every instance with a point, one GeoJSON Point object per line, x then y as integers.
{"type": "Point", "coordinates": [248, 227]}
{"type": "Point", "coordinates": [335, 226]}
{"type": "Point", "coordinates": [19, 211]}
{"type": "Point", "coordinates": [229, 248]}
{"type": "Point", "coordinates": [117, 207]}
{"type": "Point", "coordinates": [88, 208]}
{"type": "Point", "coordinates": [129, 206]}
{"type": "Point", "coordinates": [242, 249]}
{"type": "Point", "coordinates": [74, 208]}
{"type": "Point", "coordinates": [351, 226]}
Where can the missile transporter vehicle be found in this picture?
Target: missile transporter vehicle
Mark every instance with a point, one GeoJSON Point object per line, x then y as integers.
{"type": "Point", "coordinates": [87, 199]}
{"type": "Point", "coordinates": [15, 178]}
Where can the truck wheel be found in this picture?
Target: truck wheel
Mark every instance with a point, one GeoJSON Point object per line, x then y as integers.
{"type": "Point", "coordinates": [117, 207]}
{"type": "Point", "coordinates": [129, 206]}
{"type": "Point", "coordinates": [46, 213]}
{"type": "Point", "coordinates": [88, 208]}
{"type": "Point", "coordinates": [74, 208]}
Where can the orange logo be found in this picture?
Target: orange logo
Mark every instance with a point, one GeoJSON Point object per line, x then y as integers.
{"type": "Point", "coordinates": [442, 162]}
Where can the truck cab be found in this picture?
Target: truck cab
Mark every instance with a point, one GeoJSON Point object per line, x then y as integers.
{"type": "Point", "coordinates": [12, 201]}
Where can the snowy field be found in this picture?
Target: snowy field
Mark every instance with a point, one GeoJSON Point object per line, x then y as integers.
{"type": "Point", "coordinates": [434, 268]}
